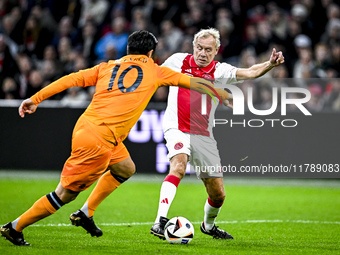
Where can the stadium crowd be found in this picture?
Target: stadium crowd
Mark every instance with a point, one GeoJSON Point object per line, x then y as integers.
{"type": "Point", "coordinates": [42, 40]}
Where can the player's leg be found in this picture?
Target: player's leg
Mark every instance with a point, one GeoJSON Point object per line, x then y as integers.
{"type": "Point", "coordinates": [88, 153]}
{"type": "Point", "coordinates": [121, 168]}
{"type": "Point", "coordinates": [212, 207]}
{"type": "Point", "coordinates": [205, 153]}
{"type": "Point", "coordinates": [169, 186]}
{"type": "Point", "coordinates": [107, 183]}
{"type": "Point", "coordinates": [178, 144]}
{"type": "Point", "coordinates": [42, 208]}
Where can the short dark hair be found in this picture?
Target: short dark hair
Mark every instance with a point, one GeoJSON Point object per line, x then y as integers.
{"type": "Point", "coordinates": [141, 42]}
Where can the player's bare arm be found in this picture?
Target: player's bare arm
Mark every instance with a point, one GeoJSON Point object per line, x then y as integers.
{"type": "Point", "coordinates": [258, 70]}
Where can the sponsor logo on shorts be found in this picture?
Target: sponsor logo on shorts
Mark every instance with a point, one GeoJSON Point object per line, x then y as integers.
{"type": "Point", "coordinates": [178, 146]}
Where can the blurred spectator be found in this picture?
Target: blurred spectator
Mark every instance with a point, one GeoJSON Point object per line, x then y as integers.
{"type": "Point", "coordinates": [45, 18]}
{"type": "Point", "coordinates": [300, 14]}
{"type": "Point", "coordinates": [25, 66]}
{"type": "Point", "coordinates": [294, 30]}
{"type": "Point", "coordinates": [332, 96]}
{"type": "Point", "coordinates": [159, 11]}
{"type": "Point", "coordinates": [250, 40]}
{"type": "Point", "coordinates": [335, 52]}
{"type": "Point", "coordinates": [74, 97]}
{"type": "Point", "coordinates": [279, 24]}
{"type": "Point", "coordinates": [230, 45]}
{"type": "Point", "coordinates": [110, 53]}
{"type": "Point", "coordinates": [80, 63]}
{"type": "Point", "coordinates": [138, 21]}
{"type": "Point", "coordinates": [172, 35]}
{"type": "Point", "coordinates": [279, 77]}
{"type": "Point", "coordinates": [13, 25]}
{"type": "Point", "coordinates": [65, 30]}
{"type": "Point", "coordinates": [304, 66]}
{"type": "Point", "coordinates": [7, 25]}
{"type": "Point", "coordinates": [316, 102]}
{"type": "Point", "coordinates": [8, 65]}
{"type": "Point", "coordinates": [195, 20]}
{"type": "Point", "coordinates": [187, 44]}
{"type": "Point", "coordinates": [248, 58]}
{"type": "Point", "coordinates": [35, 38]}
{"type": "Point", "coordinates": [162, 51]}
{"type": "Point", "coordinates": [322, 61]}
{"type": "Point", "coordinates": [9, 89]}
{"type": "Point", "coordinates": [35, 83]}
{"type": "Point", "coordinates": [264, 37]}
{"type": "Point", "coordinates": [118, 37]}
{"type": "Point", "coordinates": [332, 34]}
{"type": "Point", "coordinates": [50, 54]}
{"type": "Point", "coordinates": [66, 54]}
{"type": "Point", "coordinates": [94, 11]}
{"type": "Point", "coordinates": [302, 42]}
{"type": "Point", "coordinates": [87, 41]}
{"type": "Point", "coordinates": [50, 71]}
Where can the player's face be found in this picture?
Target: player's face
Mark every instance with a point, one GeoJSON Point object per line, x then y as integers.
{"type": "Point", "coordinates": [205, 51]}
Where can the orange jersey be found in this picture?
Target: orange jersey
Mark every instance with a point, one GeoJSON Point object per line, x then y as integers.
{"type": "Point", "coordinates": [124, 87]}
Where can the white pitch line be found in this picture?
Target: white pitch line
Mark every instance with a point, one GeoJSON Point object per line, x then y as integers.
{"type": "Point", "coordinates": [198, 222]}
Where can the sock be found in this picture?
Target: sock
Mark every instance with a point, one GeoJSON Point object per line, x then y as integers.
{"type": "Point", "coordinates": [42, 208]}
{"type": "Point", "coordinates": [211, 211]}
{"type": "Point", "coordinates": [167, 194]}
{"type": "Point", "coordinates": [107, 183]}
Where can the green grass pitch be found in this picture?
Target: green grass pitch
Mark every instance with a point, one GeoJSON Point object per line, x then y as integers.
{"type": "Point", "coordinates": [265, 217]}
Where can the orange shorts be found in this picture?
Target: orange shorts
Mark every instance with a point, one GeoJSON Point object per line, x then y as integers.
{"type": "Point", "coordinates": [91, 155]}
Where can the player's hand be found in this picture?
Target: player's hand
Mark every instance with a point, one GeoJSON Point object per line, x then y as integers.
{"type": "Point", "coordinates": [228, 103]}
{"type": "Point", "coordinates": [27, 106]}
{"type": "Point", "coordinates": [276, 58]}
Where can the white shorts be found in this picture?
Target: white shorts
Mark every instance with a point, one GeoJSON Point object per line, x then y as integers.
{"type": "Point", "coordinates": [202, 150]}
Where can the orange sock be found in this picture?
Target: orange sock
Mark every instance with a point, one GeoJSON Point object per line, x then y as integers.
{"type": "Point", "coordinates": [105, 186]}
{"type": "Point", "coordinates": [42, 208]}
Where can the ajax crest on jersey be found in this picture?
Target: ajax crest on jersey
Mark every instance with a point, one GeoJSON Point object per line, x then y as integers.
{"type": "Point", "coordinates": [179, 230]}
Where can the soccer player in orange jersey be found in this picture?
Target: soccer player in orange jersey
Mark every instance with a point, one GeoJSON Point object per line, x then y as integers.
{"type": "Point", "coordinates": [123, 89]}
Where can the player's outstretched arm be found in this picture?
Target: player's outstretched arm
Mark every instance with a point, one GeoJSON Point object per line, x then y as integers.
{"type": "Point", "coordinates": [255, 71]}
{"type": "Point", "coordinates": [83, 78]}
{"type": "Point", "coordinates": [205, 87]}
{"type": "Point", "coordinates": [27, 106]}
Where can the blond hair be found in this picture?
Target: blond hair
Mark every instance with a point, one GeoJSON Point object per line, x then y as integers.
{"type": "Point", "coordinates": [204, 33]}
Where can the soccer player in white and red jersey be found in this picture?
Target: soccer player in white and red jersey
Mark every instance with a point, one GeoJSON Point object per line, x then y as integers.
{"type": "Point", "coordinates": [184, 122]}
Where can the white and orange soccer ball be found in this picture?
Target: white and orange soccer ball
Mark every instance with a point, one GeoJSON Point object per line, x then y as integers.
{"type": "Point", "coordinates": [179, 230]}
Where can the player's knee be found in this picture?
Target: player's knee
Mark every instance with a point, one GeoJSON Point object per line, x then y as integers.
{"type": "Point", "coordinates": [178, 169]}
{"type": "Point", "coordinates": [125, 168]}
{"type": "Point", "coordinates": [178, 165]}
{"type": "Point", "coordinates": [129, 168]}
{"type": "Point", "coordinates": [218, 197]}
{"type": "Point", "coordinates": [132, 169]}
{"type": "Point", "coordinates": [66, 195]}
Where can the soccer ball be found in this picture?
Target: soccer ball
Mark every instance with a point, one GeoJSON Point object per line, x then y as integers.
{"type": "Point", "coordinates": [179, 230]}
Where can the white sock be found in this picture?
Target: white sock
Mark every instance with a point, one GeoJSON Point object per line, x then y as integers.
{"type": "Point", "coordinates": [14, 223]}
{"type": "Point", "coordinates": [168, 192]}
{"type": "Point", "coordinates": [210, 213]}
{"type": "Point", "coordinates": [85, 209]}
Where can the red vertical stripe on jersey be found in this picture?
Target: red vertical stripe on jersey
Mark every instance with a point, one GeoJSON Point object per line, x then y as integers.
{"type": "Point", "coordinates": [189, 103]}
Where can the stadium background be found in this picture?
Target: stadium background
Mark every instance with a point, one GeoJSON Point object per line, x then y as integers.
{"type": "Point", "coordinates": [41, 41]}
